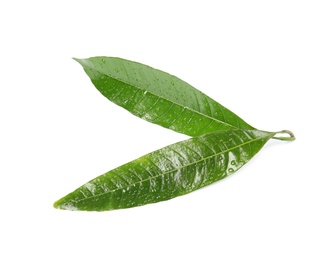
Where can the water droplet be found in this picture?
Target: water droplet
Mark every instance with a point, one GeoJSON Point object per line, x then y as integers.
{"type": "Point", "coordinates": [145, 92]}
{"type": "Point", "coordinates": [157, 78]}
{"type": "Point", "coordinates": [91, 69]}
{"type": "Point", "coordinates": [230, 170]}
{"type": "Point", "coordinates": [103, 60]}
{"type": "Point", "coordinates": [116, 70]}
{"type": "Point", "coordinates": [233, 162]}
{"type": "Point", "coordinates": [172, 83]}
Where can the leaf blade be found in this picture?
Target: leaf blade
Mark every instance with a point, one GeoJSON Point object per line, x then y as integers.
{"type": "Point", "coordinates": [172, 171]}
{"type": "Point", "coordinates": [159, 97]}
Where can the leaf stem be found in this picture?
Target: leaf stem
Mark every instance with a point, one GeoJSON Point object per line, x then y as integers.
{"type": "Point", "coordinates": [291, 136]}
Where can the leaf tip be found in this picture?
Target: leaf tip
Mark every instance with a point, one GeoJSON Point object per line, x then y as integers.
{"type": "Point", "coordinates": [60, 204]}
{"type": "Point", "coordinates": [85, 63]}
{"type": "Point", "coordinates": [77, 60]}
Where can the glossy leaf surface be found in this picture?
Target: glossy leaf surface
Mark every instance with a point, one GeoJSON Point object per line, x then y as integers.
{"type": "Point", "coordinates": [159, 97]}
{"type": "Point", "coordinates": [169, 172]}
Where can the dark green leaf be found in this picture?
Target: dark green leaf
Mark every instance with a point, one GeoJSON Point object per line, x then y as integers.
{"type": "Point", "coordinates": [159, 97]}
{"type": "Point", "coordinates": [169, 172]}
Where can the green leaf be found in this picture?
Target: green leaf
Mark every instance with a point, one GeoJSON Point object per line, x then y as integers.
{"type": "Point", "coordinates": [169, 172]}
{"type": "Point", "coordinates": [159, 97]}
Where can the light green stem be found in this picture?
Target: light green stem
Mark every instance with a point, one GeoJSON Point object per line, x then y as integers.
{"type": "Point", "coordinates": [291, 136]}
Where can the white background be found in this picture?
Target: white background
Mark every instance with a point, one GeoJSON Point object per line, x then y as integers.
{"type": "Point", "coordinates": [267, 61]}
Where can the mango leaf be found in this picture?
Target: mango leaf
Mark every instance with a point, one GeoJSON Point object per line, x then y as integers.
{"type": "Point", "coordinates": [159, 97]}
{"type": "Point", "coordinates": [169, 172]}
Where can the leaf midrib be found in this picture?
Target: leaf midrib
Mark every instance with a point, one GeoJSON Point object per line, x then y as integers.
{"type": "Point", "coordinates": [178, 168]}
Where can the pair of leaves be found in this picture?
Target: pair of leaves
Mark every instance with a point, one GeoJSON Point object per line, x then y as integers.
{"type": "Point", "coordinates": [222, 142]}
